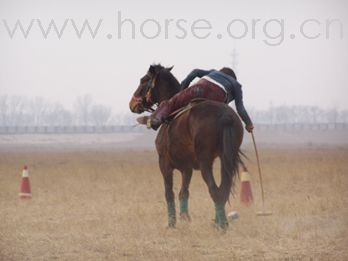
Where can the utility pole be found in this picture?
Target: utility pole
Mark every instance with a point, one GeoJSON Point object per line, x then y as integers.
{"type": "Point", "coordinates": [235, 60]}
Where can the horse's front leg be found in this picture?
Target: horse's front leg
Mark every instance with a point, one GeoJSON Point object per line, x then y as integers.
{"type": "Point", "coordinates": [184, 194]}
{"type": "Point", "coordinates": [169, 193]}
{"type": "Point", "coordinates": [167, 174]}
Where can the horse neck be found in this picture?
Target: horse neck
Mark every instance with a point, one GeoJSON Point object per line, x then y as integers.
{"type": "Point", "coordinates": [168, 89]}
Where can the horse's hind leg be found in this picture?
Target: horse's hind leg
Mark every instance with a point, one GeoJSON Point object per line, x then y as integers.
{"type": "Point", "coordinates": [167, 174]}
{"type": "Point", "coordinates": [220, 214]}
{"type": "Point", "coordinates": [184, 194]}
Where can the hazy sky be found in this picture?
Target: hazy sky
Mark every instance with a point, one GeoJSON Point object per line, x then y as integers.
{"type": "Point", "coordinates": [288, 69]}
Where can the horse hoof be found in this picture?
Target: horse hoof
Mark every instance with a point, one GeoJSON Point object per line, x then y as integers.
{"type": "Point", "coordinates": [185, 217]}
{"type": "Point", "coordinates": [222, 227]}
{"type": "Point", "coordinates": [171, 225]}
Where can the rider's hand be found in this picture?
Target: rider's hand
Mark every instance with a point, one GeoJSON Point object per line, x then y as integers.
{"type": "Point", "coordinates": [249, 127]}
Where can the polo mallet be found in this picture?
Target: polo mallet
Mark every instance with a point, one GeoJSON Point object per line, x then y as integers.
{"type": "Point", "coordinates": [262, 212]}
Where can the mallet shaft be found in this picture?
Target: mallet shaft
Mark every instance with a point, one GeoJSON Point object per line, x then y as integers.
{"type": "Point", "coordinates": [259, 168]}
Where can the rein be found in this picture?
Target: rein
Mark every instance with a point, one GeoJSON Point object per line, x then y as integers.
{"type": "Point", "coordinates": [140, 100]}
{"type": "Point", "coordinates": [150, 86]}
{"type": "Point", "coordinates": [148, 96]}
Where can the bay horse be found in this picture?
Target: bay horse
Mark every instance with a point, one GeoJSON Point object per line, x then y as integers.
{"type": "Point", "coordinates": [192, 141]}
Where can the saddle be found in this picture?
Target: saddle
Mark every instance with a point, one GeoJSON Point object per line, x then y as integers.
{"type": "Point", "coordinates": [176, 114]}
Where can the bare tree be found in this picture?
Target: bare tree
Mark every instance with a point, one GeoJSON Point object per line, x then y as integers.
{"type": "Point", "coordinates": [100, 115]}
{"type": "Point", "coordinates": [38, 108]}
{"type": "Point", "coordinates": [83, 106]}
{"type": "Point", "coordinates": [16, 110]}
{"type": "Point", "coordinates": [314, 113]}
{"type": "Point", "coordinates": [57, 115]}
{"type": "Point", "coordinates": [3, 110]}
{"type": "Point", "coordinates": [282, 114]}
{"type": "Point", "coordinates": [332, 116]}
{"type": "Point", "coordinates": [115, 119]}
{"type": "Point", "coordinates": [128, 119]}
{"type": "Point", "coordinates": [344, 116]}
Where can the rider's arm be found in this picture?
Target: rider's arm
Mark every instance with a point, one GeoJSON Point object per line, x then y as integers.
{"type": "Point", "coordinates": [240, 106]}
{"type": "Point", "coordinates": [195, 73]}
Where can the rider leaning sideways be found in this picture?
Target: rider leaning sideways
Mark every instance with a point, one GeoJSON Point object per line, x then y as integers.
{"type": "Point", "coordinates": [213, 85]}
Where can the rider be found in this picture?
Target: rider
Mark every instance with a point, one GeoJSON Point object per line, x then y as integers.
{"type": "Point", "coordinates": [214, 85]}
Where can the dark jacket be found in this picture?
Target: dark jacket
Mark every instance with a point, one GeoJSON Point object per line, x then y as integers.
{"type": "Point", "coordinates": [231, 85]}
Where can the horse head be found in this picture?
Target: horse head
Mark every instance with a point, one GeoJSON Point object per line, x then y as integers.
{"type": "Point", "coordinates": [156, 85]}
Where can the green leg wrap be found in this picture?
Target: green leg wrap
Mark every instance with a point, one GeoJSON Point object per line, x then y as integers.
{"type": "Point", "coordinates": [183, 205]}
{"type": "Point", "coordinates": [171, 213]}
{"type": "Point", "coordinates": [220, 215]}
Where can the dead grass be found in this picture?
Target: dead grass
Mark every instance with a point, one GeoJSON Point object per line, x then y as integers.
{"type": "Point", "coordinates": [109, 205]}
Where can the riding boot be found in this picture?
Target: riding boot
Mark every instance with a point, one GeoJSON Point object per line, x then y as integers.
{"type": "Point", "coordinates": [158, 117]}
{"type": "Point", "coordinates": [155, 123]}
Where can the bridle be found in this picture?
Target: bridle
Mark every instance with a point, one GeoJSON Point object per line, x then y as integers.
{"type": "Point", "coordinates": [150, 86]}
{"type": "Point", "coordinates": [148, 96]}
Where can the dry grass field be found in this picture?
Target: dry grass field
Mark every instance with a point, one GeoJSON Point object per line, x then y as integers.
{"type": "Point", "coordinates": [104, 204]}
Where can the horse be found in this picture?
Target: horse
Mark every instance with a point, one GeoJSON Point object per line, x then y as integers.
{"type": "Point", "coordinates": [192, 141]}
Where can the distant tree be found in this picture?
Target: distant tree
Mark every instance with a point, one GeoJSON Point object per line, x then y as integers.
{"type": "Point", "coordinates": [314, 113]}
{"type": "Point", "coordinates": [82, 107]}
{"type": "Point", "coordinates": [332, 115]}
{"type": "Point", "coordinates": [271, 113]}
{"type": "Point", "coordinates": [302, 114]}
{"type": "Point", "coordinates": [37, 109]}
{"type": "Point", "coordinates": [282, 114]}
{"type": "Point", "coordinates": [115, 119]}
{"type": "Point", "coordinates": [100, 115]}
{"type": "Point", "coordinates": [344, 116]}
{"type": "Point", "coordinates": [16, 110]}
{"type": "Point", "coordinates": [57, 115]}
{"type": "Point", "coordinates": [3, 110]}
{"type": "Point", "coordinates": [128, 119]}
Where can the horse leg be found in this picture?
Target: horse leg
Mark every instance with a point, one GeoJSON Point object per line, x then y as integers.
{"type": "Point", "coordinates": [184, 194]}
{"type": "Point", "coordinates": [225, 186]}
{"type": "Point", "coordinates": [224, 192]}
{"type": "Point", "coordinates": [220, 214]}
{"type": "Point", "coordinates": [167, 174]}
{"type": "Point", "coordinates": [168, 185]}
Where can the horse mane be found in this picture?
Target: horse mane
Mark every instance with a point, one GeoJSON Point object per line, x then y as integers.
{"type": "Point", "coordinates": [164, 74]}
{"type": "Point", "coordinates": [157, 66]}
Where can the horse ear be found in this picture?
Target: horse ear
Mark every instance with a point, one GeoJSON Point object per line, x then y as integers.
{"type": "Point", "coordinates": [152, 69]}
{"type": "Point", "coordinates": [169, 68]}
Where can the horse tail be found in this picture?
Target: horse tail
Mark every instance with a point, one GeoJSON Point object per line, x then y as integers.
{"type": "Point", "coordinates": [230, 154]}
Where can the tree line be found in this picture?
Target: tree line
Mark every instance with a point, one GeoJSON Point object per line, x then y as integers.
{"type": "Point", "coordinates": [299, 115]}
{"type": "Point", "coordinates": [23, 111]}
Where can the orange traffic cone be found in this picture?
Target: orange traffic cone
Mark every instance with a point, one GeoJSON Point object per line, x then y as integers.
{"type": "Point", "coordinates": [25, 185]}
{"type": "Point", "coordinates": [246, 195]}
